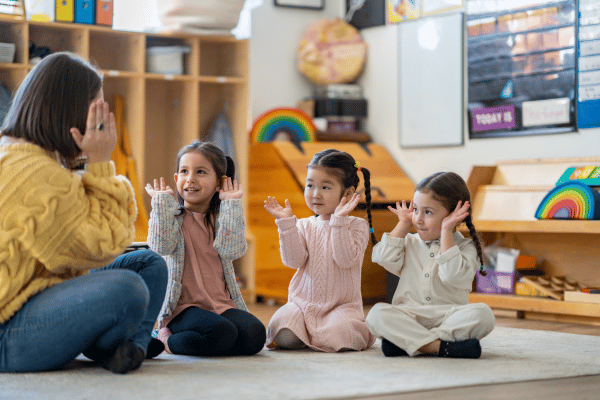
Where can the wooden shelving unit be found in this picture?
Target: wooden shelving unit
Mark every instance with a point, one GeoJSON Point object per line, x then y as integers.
{"type": "Point", "coordinates": [505, 198]}
{"type": "Point", "coordinates": [162, 112]}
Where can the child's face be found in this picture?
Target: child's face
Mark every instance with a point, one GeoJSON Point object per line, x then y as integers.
{"type": "Point", "coordinates": [323, 192]}
{"type": "Point", "coordinates": [428, 214]}
{"type": "Point", "coordinates": [196, 181]}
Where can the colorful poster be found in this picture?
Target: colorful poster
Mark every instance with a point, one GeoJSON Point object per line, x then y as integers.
{"type": "Point", "coordinates": [403, 10]}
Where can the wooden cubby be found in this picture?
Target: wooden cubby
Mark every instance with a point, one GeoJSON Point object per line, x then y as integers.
{"type": "Point", "coordinates": [279, 169]}
{"type": "Point", "coordinates": [162, 112]}
{"type": "Point", "coordinates": [505, 198]}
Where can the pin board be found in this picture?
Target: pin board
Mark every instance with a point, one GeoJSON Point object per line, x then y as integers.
{"type": "Point", "coordinates": [430, 79]}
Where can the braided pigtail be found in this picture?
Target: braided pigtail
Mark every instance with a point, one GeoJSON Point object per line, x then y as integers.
{"type": "Point", "coordinates": [367, 178]}
{"type": "Point", "coordinates": [230, 172]}
{"type": "Point", "coordinates": [475, 238]}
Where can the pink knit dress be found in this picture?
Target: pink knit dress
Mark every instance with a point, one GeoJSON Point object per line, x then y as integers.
{"type": "Point", "coordinates": [324, 307]}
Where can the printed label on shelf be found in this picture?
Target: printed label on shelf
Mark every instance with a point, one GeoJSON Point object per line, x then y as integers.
{"type": "Point", "coordinates": [169, 77]}
{"type": "Point", "coordinates": [493, 118]}
{"type": "Point", "coordinates": [112, 72]}
{"type": "Point", "coordinates": [546, 112]}
{"type": "Point", "coordinates": [221, 79]}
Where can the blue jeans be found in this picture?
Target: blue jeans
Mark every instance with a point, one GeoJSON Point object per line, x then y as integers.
{"type": "Point", "coordinates": [94, 313]}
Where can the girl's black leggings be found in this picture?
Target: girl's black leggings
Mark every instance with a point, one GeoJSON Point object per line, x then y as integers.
{"type": "Point", "coordinates": [199, 332]}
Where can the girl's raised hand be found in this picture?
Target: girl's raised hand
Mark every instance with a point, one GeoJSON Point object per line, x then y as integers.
{"type": "Point", "coordinates": [346, 206]}
{"type": "Point", "coordinates": [403, 212]}
{"type": "Point", "coordinates": [456, 216]}
{"type": "Point", "coordinates": [273, 207]}
{"type": "Point", "coordinates": [230, 190]}
{"type": "Point", "coordinates": [100, 137]}
{"type": "Point", "coordinates": [162, 188]}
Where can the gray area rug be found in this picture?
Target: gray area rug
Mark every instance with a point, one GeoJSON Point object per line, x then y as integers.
{"type": "Point", "coordinates": [509, 355]}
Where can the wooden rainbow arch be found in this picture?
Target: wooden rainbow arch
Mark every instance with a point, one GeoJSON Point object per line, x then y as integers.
{"type": "Point", "coordinates": [292, 121]}
{"type": "Point", "coordinates": [570, 200]}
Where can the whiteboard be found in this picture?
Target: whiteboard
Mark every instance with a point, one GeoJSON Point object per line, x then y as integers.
{"type": "Point", "coordinates": [430, 76]}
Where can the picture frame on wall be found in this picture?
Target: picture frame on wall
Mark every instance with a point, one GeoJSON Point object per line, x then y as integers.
{"type": "Point", "coordinates": [12, 9]}
{"type": "Point", "coordinates": [306, 4]}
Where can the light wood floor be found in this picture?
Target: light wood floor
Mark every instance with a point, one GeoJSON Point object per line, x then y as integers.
{"type": "Point", "coordinates": [581, 388]}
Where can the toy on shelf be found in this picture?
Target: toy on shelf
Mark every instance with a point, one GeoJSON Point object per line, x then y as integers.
{"type": "Point", "coordinates": [570, 200]}
{"type": "Point", "coordinates": [283, 123]}
{"type": "Point", "coordinates": [590, 175]}
{"type": "Point", "coordinates": [551, 286]}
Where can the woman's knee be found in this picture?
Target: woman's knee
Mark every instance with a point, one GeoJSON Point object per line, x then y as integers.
{"type": "Point", "coordinates": [127, 288]}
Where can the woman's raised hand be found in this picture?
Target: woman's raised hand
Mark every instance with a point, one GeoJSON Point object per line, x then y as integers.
{"type": "Point", "coordinates": [273, 207]}
{"type": "Point", "coordinates": [159, 188]}
{"type": "Point", "coordinates": [230, 190]}
{"type": "Point", "coordinates": [346, 206]}
{"type": "Point", "coordinates": [456, 216]}
{"type": "Point", "coordinates": [100, 137]}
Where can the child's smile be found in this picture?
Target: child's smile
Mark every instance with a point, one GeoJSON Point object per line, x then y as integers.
{"type": "Point", "coordinates": [196, 181]}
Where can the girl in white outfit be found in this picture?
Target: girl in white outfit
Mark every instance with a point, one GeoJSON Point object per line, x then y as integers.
{"type": "Point", "coordinates": [430, 311]}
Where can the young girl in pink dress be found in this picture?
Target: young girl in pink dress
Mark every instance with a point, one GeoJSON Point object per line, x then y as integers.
{"type": "Point", "coordinates": [324, 309]}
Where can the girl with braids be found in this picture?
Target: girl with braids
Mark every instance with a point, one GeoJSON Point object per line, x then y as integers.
{"type": "Point", "coordinates": [200, 235]}
{"type": "Point", "coordinates": [324, 309]}
{"type": "Point", "coordinates": [430, 311]}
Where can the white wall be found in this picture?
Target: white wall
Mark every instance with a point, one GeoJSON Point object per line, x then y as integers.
{"type": "Point", "coordinates": [276, 31]}
{"type": "Point", "coordinates": [275, 81]}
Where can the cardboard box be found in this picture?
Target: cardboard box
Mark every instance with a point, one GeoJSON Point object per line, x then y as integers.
{"type": "Point", "coordinates": [496, 282]}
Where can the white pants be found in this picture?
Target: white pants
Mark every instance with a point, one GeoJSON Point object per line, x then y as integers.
{"type": "Point", "coordinates": [411, 327]}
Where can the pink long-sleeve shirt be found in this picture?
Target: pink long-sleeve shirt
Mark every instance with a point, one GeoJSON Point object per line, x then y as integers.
{"type": "Point", "coordinates": [324, 308]}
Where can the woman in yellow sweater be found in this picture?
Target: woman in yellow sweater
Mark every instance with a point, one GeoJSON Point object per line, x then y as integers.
{"type": "Point", "coordinates": [57, 224]}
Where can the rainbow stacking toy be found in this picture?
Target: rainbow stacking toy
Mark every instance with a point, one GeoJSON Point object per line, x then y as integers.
{"type": "Point", "coordinates": [570, 200]}
{"type": "Point", "coordinates": [296, 123]}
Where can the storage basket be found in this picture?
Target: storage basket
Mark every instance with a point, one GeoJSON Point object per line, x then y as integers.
{"type": "Point", "coordinates": [7, 52]}
{"type": "Point", "coordinates": [166, 59]}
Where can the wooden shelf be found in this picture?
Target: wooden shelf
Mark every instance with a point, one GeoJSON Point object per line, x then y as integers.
{"type": "Point", "coordinates": [505, 199]}
{"type": "Point", "coordinates": [535, 304]}
{"type": "Point", "coordinates": [162, 112]}
{"type": "Point", "coordinates": [539, 226]}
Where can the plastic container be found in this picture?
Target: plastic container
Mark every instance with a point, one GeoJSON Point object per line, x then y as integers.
{"type": "Point", "coordinates": [166, 59]}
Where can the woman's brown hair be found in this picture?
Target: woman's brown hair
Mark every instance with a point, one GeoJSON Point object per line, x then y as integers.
{"type": "Point", "coordinates": [449, 188]}
{"type": "Point", "coordinates": [54, 97]}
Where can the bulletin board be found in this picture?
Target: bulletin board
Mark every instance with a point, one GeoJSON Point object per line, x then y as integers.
{"type": "Point", "coordinates": [431, 101]}
{"type": "Point", "coordinates": [522, 67]}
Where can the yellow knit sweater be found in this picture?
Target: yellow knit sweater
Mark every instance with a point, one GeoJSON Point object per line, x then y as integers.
{"type": "Point", "coordinates": [56, 224]}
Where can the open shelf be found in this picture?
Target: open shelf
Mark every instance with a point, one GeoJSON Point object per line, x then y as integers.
{"type": "Point", "coordinates": [162, 112]}
{"type": "Point", "coordinates": [547, 226]}
{"type": "Point", "coordinates": [505, 199]}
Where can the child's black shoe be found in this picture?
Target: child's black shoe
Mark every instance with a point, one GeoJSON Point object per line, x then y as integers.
{"type": "Point", "coordinates": [391, 350]}
{"type": "Point", "coordinates": [469, 348]}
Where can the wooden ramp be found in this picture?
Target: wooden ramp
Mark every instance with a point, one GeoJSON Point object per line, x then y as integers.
{"type": "Point", "coordinates": [279, 169]}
